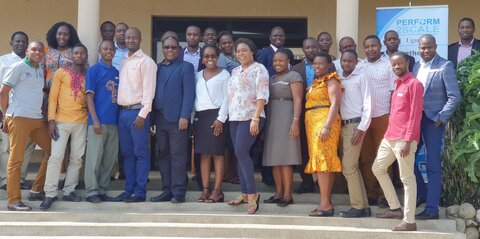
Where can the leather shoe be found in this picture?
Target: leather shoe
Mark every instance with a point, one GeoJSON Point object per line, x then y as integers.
{"type": "Point", "coordinates": [282, 202]}
{"type": "Point", "coordinates": [36, 196]}
{"type": "Point", "coordinates": [353, 212]}
{"type": "Point", "coordinates": [164, 197]}
{"type": "Point", "coordinates": [47, 203]}
{"type": "Point", "coordinates": [177, 200]}
{"type": "Point", "coordinates": [134, 198]}
{"type": "Point", "coordinates": [403, 226]}
{"type": "Point", "coordinates": [105, 197]}
{"type": "Point", "coordinates": [23, 186]}
{"type": "Point", "coordinates": [18, 206]}
{"type": "Point", "coordinates": [420, 201]}
{"type": "Point", "coordinates": [426, 215]}
{"type": "Point", "coordinates": [391, 214]}
{"type": "Point", "coordinates": [119, 198]}
{"type": "Point", "coordinates": [94, 199]}
{"type": "Point", "coordinates": [272, 199]}
{"type": "Point", "coordinates": [72, 197]}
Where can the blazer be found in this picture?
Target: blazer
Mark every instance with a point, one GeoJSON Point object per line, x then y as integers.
{"type": "Point", "coordinates": [265, 57]}
{"type": "Point", "coordinates": [442, 94]}
{"type": "Point", "coordinates": [453, 51]}
{"type": "Point", "coordinates": [175, 93]}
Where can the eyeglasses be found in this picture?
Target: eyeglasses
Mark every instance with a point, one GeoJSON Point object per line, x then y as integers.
{"type": "Point", "coordinates": [210, 56]}
{"type": "Point", "coordinates": [170, 47]}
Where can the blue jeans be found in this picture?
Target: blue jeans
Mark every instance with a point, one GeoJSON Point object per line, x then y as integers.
{"type": "Point", "coordinates": [134, 148]}
{"type": "Point", "coordinates": [432, 138]}
{"type": "Point", "coordinates": [242, 142]}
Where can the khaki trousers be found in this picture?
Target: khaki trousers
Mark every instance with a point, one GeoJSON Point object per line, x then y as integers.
{"type": "Point", "coordinates": [388, 152]}
{"type": "Point", "coordinates": [371, 142]}
{"type": "Point", "coordinates": [78, 133]}
{"type": "Point", "coordinates": [21, 129]}
{"type": "Point", "coordinates": [350, 169]}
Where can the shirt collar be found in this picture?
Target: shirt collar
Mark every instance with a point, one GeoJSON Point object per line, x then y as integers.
{"type": "Point", "coordinates": [307, 64]}
{"type": "Point", "coordinates": [118, 48]}
{"type": "Point", "coordinates": [15, 55]}
{"type": "Point", "coordinates": [468, 45]}
{"type": "Point", "coordinates": [429, 63]}
{"type": "Point", "coordinates": [275, 49]}
{"type": "Point", "coordinates": [27, 61]}
{"type": "Point", "coordinates": [405, 78]}
{"type": "Point", "coordinates": [138, 53]}
{"type": "Point", "coordinates": [102, 63]}
{"type": "Point", "coordinates": [193, 54]}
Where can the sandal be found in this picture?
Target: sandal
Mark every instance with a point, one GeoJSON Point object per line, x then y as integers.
{"type": "Point", "coordinates": [237, 201]}
{"type": "Point", "coordinates": [205, 195]}
{"type": "Point", "coordinates": [321, 213]}
{"type": "Point", "coordinates": [216, 196]}
{"type": "Point", "coordinates": [254, 205]}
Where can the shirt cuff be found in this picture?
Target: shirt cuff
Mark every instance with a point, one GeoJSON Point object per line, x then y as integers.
{"type": "Point", "coordinates": [222, 118]}
{"type": "Point", "coordinates": [143, 113]}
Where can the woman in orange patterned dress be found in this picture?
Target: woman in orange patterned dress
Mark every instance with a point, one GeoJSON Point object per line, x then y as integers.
{"type": "Point", "coordinates": [322, 122]}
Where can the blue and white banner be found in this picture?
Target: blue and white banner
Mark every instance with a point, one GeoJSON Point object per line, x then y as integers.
{"type": "Point", "coordinates": [411, 23]}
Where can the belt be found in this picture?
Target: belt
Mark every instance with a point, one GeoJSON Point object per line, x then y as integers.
{"type": "Point", "coordinates": [131, 107]}
{"type": "Point", "coordinates": [283, 99]}
{"type": "Point", "coordinates": [317, 107]}
{"type": "Point", "coordinates": [351, 121]}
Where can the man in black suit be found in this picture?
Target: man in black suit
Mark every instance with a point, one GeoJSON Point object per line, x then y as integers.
{"type": "Point", "coordinates": [462, 49]}
{"type": "Point", "coordinates": [265, 55]}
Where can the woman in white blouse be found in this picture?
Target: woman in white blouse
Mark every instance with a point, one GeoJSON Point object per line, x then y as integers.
{"type": "Point", "coordinates": [247, 95]}
{"type": "Point", "coordinates": [211, 113]}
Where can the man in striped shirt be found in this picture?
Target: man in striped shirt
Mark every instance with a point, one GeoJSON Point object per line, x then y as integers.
{"type": "Point", "coordinates": [378, 71]}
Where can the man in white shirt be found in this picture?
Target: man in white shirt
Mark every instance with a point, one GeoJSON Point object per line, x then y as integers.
{"type": "Point", "coordinates": [379, 73]}
{"type": "Point", "coordinates": [356, 110]}
{"type": "Point", "coordinates": [19, 43]}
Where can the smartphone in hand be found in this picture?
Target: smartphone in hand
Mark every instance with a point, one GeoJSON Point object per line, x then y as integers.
{"type": "Point", "coordinates": [56, 135]}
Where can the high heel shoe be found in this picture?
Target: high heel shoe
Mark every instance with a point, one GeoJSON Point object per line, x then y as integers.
{"type": "Point", "coordinates": [216, 196]}
{"type": "Point", "coordinates": [254, 205]}
{"type": "Point", "coordinates": [205, 195]}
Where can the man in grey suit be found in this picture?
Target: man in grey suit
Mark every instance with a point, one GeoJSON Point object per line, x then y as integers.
{"type": "Point", "coordinates": [441, 98]}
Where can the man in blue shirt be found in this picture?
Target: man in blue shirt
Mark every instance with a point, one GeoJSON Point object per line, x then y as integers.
{"type": "Point", "coordinates": [172, 107]}
{"type": "Point", "coordinates": [102, 135]}
{"type": "Point", "coordinates": [191, 53]}
{"type": "Point", "coordinates": [121, 49]}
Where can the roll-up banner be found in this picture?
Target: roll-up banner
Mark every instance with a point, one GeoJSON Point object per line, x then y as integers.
{"type": "Point", "coordinates": [411, 23]}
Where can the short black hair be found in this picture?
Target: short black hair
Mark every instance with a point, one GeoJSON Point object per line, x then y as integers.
{"type": "Point", "coordinates": [103, 41]}
{"type": "Point", "coordinates": [467, 19]}
{"type": "Point", "coordinates": [287, 52]}
{"type": "Point", "coordinates": [223, 33]}
{"type": "Point", "coordinates": [195, 26]}
{"type": "Point", "coordinates": [18, 33]}
{"type": "Point", "coordinates": [211, 28]}
{"type": "Point", "coordinates": [250, 45]}
{"type": "Point", "coordinates": [325, 55]}
{"type": "Point", "coordinates": [351, 51]}
{"type": "Point", "coordinates": [217, 50]}
{"type": "Point", "coordinates": [106, 23]}
{"type": "Point", "coordinates": [401, 54]}
{"type": "Point", "coordinates": [372, 37]}
{"type": "Point", "coordinates": [52, 35]}
{"type": "Point", "coordinates": [324, 33]}
{"type": "Point", "coordinates": [389, 31]}
{"type": "Point", "coordinates": [82, 46]}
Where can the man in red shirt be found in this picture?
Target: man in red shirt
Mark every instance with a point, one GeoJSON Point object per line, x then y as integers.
{"type": "Point", "coordinates": [400, 143]}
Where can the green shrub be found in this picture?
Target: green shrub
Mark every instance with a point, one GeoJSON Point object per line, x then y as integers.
{"type": "Point", "coordinates": [461, 162]}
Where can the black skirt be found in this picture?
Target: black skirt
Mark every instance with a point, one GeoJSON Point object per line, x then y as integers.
{"type": "Point", "coordinates": [205, 141]}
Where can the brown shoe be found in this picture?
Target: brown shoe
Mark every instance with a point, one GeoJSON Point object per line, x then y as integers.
{"type": "Point", "coordinates": [403, 226]}
{"type": "Point", "coordinates": [391, 214]}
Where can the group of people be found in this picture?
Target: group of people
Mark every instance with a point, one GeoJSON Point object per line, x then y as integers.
{"type": "Point", "coordinates": [377, 111]}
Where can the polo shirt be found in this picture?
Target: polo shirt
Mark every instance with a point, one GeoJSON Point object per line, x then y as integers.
{"type": "Point", "coordinates": [26, 96]}
{"type": "Point", "coordinates": [102, 81]}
